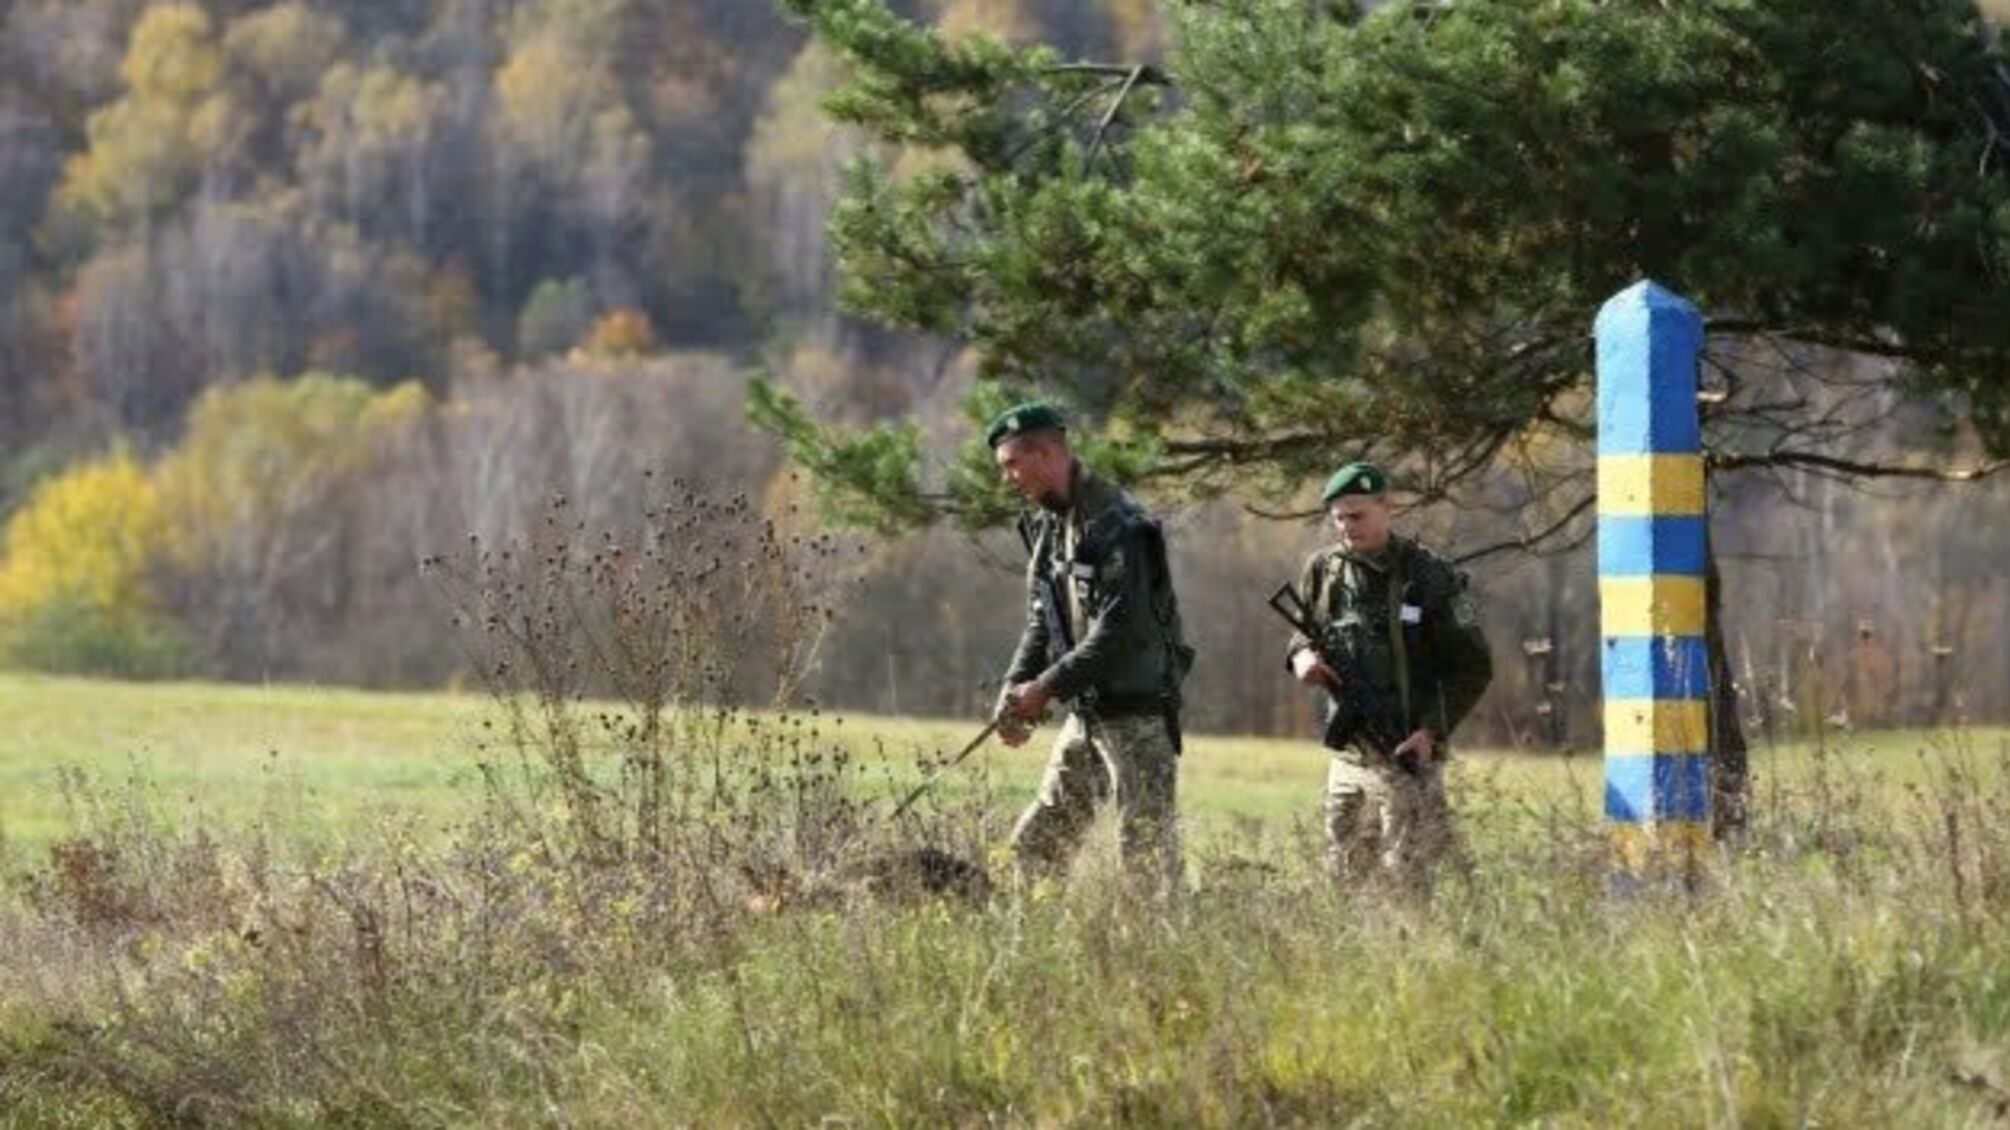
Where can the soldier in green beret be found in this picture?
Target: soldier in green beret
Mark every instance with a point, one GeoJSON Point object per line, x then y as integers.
{"type": "Point", "coordinates": [1103, 636]}
{"type": "Point", "coordinates": [1404, 619]}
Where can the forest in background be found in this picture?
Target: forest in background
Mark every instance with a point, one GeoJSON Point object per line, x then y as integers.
{"type": "Point", "coordinates": [293, 295]}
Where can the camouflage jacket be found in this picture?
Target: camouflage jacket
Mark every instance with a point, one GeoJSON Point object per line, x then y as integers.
{"type": "Point", "coordinates": [1128, 652]}
{"type": "Point", "coordinates": [1426, 633]}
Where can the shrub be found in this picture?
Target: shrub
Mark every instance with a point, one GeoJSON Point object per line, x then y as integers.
{"type": "Point", "coordinates": [68, 636]}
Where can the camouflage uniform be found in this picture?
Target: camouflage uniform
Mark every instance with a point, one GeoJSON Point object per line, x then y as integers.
{"type": "Point", "coordinates": [1407, 617]}
{"type": "Point", "coordinates": [1105, 562]}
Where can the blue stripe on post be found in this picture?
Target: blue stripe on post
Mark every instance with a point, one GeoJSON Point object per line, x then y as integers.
{"type": "Point", "coordinates": [1647, 788]}
{"type": "Point", "coordinates": [1655, 667]}
{"type": "Point", "coordinates": [1642, 546]}
{"type": "Point", "coordinates": [1648, 340]}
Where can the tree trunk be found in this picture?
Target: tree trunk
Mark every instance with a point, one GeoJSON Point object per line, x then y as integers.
{"type": "Point", "coordinates": [1729, 768]}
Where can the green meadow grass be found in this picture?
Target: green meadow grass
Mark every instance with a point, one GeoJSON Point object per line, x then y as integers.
{"type": "Point", "coordinates": [323, 757]}
{"type": "Point", "coordinates": [313, 760]}
{"type": "Point", "coordinates": [316, 760]}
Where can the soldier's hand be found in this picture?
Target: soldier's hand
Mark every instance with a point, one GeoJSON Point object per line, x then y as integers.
{"type": "Point", "coordinates": [1420, 746]}
{"type": "Point", "coordinates": [1312, 670]}
{"type": "Point", "coordinates": [1027, 700]}
{"type": "Point", "coordinates": [1013, 730]}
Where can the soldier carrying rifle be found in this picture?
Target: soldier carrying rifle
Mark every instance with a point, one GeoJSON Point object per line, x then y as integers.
{"type": "Point", "coordinates": [1389, 629]}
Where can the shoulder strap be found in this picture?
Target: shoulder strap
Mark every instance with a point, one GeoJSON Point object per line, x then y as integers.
{"type": "Point", "coordinates": [1397, 575]}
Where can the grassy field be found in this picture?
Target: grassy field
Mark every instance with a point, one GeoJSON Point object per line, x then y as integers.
{"type": "Point", "coordinates": [312, 924]}
{"type": "Point", "coordinates": [317, 759]}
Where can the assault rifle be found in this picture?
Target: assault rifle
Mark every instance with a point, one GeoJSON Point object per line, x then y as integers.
{"type": "Point", "coordinates": [1363, 715]}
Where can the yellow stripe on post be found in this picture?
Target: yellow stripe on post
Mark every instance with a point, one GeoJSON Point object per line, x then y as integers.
{"type": "Point", "coordinates": [1657, 485]}
{"type": "Point", "coordinates": [1657, 725]}
{"type": "Point", "coordinates": [1657, 605]}
{"type": "Point", "coordinates": [1642, 847]}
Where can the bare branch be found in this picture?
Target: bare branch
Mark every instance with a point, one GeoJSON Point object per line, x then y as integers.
{"type": "Point", "coordinates": [1282, 515]}
{"type": "Point", "coordinates": [1248, 451]}
{"type": "Point", "coordinates": [1815, 461]}
{"type": "Point", "coordinates": [1062, 119]}
{"type": "Point", "coordinates": [1116, 106]}
{"type": "Point", "coordinates": [1529, 542]}
{"type": "Point", "coordinates": [1143, 73]}
{"type": "Point", "coordinates": [1868, 346]}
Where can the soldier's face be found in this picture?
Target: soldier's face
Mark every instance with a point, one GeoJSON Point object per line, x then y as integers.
{"type": "Point", "coordinates": [1362, 521]}
{"type": "Point", "coordinates": [1037, 467]}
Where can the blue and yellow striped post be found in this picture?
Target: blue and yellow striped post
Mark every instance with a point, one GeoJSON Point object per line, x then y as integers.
{"type": "Point", "coordinates": [1650, 578]}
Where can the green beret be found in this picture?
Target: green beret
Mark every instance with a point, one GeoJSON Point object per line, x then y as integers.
{"type": "Point", "coordinates": [1355, 478]}
{"type": "Point", "coordinates": [1032, 416]}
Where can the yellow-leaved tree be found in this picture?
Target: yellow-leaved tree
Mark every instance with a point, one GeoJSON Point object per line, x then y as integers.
{"type": "Point", "coordinates": [147, 148]}
{"type": "Point", "coordinates": [75, 563]}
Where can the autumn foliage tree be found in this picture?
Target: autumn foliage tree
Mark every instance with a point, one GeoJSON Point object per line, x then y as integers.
{"type": "Point", "coordinates": [76, 573]}
{"type": "Point", "coordinates": [253, 498]}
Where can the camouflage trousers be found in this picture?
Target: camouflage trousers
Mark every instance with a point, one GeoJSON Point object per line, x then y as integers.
{"type": "Point", "coordinates": [1130, 759]}
{"type": "Point", "coordinates": [1385, 826]}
